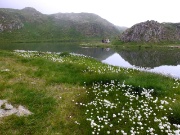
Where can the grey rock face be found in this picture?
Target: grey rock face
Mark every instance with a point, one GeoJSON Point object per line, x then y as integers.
{"type": "Point", "coordinates": [151, 31]}
{"type": "Point", "coordinates": [1, 28]}
{"type": "Point", "coordinates": [11, 26]}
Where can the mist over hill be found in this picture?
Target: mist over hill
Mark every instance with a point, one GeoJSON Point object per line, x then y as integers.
{"type": "Point", "coordinates": [29, 24]}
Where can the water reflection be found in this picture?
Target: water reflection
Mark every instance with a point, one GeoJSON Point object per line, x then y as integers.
{"type": "Point", "coordinates": [117, 60]}
{"type": "Point", "coordinates": [96, 52]}
{"type": "Point", "coordinates": [151, 57]}
{"type": "Point", "coordinates": [170, 70]}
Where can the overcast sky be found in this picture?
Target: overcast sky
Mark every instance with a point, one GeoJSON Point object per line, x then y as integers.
{"type": "Point", "coordinates": [118, 12]}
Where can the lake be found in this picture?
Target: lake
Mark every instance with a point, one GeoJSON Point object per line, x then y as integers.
{"type": "Point", "coordinates": [160, 60]}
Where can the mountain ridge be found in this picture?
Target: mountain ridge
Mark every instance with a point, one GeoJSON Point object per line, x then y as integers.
{"type": "Point", "coordinates": [28, 24]}
{"type": "Point", "coordinates": [152, 31]}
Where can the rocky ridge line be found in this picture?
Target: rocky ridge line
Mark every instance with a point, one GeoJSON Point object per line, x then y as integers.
{"type": "Point", "coordinates": [152, 31]}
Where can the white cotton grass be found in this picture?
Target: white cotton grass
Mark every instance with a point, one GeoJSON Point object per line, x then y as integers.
{"type": "Point", "coordinates": [91, 67]}
{"type": "Point", "coordinates": [129, 112]}
{"type": "Point", "coordinates": [5, 70]}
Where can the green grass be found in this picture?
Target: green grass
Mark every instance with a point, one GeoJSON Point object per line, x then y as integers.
{"type": "Point", "coordinates": [77, 95]}
{"type": "Point", "coordinates": [145, 44]}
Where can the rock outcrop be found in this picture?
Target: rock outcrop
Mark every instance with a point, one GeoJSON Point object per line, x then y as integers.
{"type": "Point", "coordinates": [7, 109]}
{"type": "Point", "coordinates": [152, 31]}
{"type": "Point", "coordinates": [9, 22]}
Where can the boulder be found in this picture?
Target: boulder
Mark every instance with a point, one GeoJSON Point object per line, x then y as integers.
{"type": "Point", "coordinates": [7, 109]}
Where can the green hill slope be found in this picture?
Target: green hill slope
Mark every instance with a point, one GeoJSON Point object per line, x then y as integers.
{"type": "Point", "coordinates": [30, 25]}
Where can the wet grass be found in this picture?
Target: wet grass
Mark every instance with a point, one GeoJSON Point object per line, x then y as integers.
{"type": "Point", "coordinates": [75, 94]}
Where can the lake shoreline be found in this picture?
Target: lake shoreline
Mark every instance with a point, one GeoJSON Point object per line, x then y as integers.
{"type": "Point", "coordinates": [145, 57]}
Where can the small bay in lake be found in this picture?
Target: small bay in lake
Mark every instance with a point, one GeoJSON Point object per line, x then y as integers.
{"type": "Point", "coordinates": [160, 60]}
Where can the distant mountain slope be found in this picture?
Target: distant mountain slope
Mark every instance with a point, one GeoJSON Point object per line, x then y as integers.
{"type": "Point", "coordinates": [121, 28]}
{"type": "Point", "coordinates": [30, 25]}
{"type": "Point", "coordinates": [152, 31]}
{"type": "Point", "coordinates": [87, 24]}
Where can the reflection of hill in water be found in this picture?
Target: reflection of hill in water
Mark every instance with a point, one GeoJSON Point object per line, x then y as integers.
{"type": "Point", "coordinates": [98, 53]}
{"type": "Point", "coordinates": [151, 57]}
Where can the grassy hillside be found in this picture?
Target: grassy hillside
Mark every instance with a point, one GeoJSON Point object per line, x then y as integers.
{"type": "Point", "coordinates": [77, 95]}
{"type": "Point", "coordinates": [30, 25]}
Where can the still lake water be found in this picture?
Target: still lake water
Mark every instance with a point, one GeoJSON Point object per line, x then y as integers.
{"type": "Point", "coordinates": [160, 60]}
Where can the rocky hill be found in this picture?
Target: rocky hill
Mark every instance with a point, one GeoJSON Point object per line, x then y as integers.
{"type": "Point", "coordinates": [30, 25]}
{"type": "Point", "coordinates": [152, 31]}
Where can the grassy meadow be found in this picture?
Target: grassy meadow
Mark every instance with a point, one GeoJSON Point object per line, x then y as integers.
{"type": "Point", "coordinates": [71, 94]}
